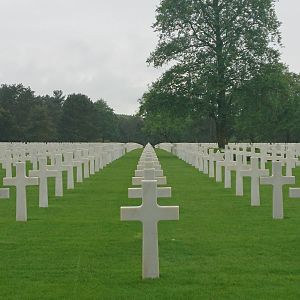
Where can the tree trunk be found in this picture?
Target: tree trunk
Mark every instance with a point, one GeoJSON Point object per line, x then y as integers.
{"type": "Point", "coordinates": [223, 109]}
{"type": "Point", "coordinates": [222, 121]}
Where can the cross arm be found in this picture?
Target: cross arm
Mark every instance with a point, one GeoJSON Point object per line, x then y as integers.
{"type": "Point", "coordinates": [31, 180]}
{"type": "Point", "coordinates": [34, 173]}
{"type": "Point", "coordinates": [294, 193]}
{"type": "Point", "coordinates": [130, 213]}
{"type": "Point", "coordinates": [9, 181]}
{"type": "Point", "coordinates": [138, 180]}
{"type": "Point", "coordinates": [221, 163]}
{"type": "Point", "coordinates": [140, 173]}
{"type": "Point", "coordinates": [168, 213]}
{"type": "Point", "coordinates": [231, 167]}
{"type": "Point", "coordinates": [164, 192]}
{"type": "Point", "coordinates": [4, 193]}
{"type": "Point", "coordinates": [52, 173]}
{"type": "Point", "coordinates": [289, 180]}
{"type": "Point", "coordinates": [135, 193]}
{"type": "Point", "coordinates": [267, 180]}
{"type": "Point", "coordinates": [246, 173]}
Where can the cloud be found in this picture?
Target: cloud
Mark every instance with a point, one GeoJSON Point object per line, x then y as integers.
{"type": "Point", "coordinates": [95, 47]}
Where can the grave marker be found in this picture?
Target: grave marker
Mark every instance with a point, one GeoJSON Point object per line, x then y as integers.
{"type": "Point", "coordinates": [4, 193]}
{"type": "Point", "coordinates": [43, 173]}
{"type": "Point", "coordinates": [238, 167]}
{"type": "Point", "coordinates": [277, 181]}
{"type": "Point", "coordinates": [255, 173]}
{"type": "Point", "coordinates": [21, 181]}
{"type": "Point", "coordinates": [150, 213]}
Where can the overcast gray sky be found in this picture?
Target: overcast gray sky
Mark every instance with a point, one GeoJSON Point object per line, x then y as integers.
{"type": "Point", "coordinates": [96, 47]}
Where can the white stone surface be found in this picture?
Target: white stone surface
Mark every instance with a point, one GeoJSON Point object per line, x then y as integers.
{"type": "Point", "coordinates": [294, 193]}
{"type": "Point", "coordinates": [254, 173]}
{"type": "Point", "coordinates": [43, 173]}
{"type": "Point", "coordinates": [277, 181]}
{"type": "Point", "coordinates": [4, 193]}
{"type": "Point", "coordinates": [68, 166]}
{"type": "Point", "coordinates": [227, 163]}
{"type": "Point", "coordinates": [211, 162]}
{"type": "Point", "coordinates": [58, 178]}
{"type": "Point", "coordinates": [21, 181]}
{"type": "Point", "coordinates": [149, 174]}
{"type": "Point", "coordinates": [140, 173]}
{"type": "Point", "coordinates": [238, 167]}
{"type": "Point", "coordinates": [150, 213]}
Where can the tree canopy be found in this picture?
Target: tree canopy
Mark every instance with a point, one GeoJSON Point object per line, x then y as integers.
{"type": "Point", "coordinates": [26, 117]}
{"type": "Point", "coordinates": [213, 47]}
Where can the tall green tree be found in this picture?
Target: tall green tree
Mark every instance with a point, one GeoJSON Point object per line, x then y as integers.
{"type": "Point", "coordinates": [268, 106]}
{"type": "Point", "coordinates": [41, 127]}
{"type": "Point", "coordinates": [130, 129]}
{"type": "Point", "coordinates": [16, 103]}
{"type": "Point", "coordinates": [217, 45]}
{"type": "Point", "coordinates": [106, 122]}
{"type": "Point", "coordinates": [78, 120]}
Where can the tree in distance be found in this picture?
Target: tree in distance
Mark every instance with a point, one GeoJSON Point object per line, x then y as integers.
{"type": "Point", "coordinates": [213, 47]}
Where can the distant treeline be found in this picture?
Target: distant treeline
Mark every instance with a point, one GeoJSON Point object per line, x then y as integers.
{"type": "Point", "coordinates": [265, 108]}
{"type": "Point", "coordinates": [25, 117]}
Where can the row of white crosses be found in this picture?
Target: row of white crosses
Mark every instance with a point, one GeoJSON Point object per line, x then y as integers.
{"type": "Point", "coordinates": [149, 175]}
{"type": "Point", "coordinates": [203, 157]}
{"type": "Point", "coordinates": [64, 157]}
{"type": "Point", "coordinates": [279, 155]}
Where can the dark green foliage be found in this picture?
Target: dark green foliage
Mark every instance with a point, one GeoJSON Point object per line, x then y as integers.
{"type": "Point", "coordinates": [214, 46]}
{"type": "Point", "coordinates": [268, 107]}
{"type": "Point", "coordinates": [106, 122]}
{"type": "Point", "coordinates": [78, 121]}
{"type": "Point", "coordinates": [168, 117]}
{"type": "Point", "coordinates": [41, 127]}
{"type": "Point", "coordinates": [130, 129]}
{"type": "Point", "coordinates": [29, 118]}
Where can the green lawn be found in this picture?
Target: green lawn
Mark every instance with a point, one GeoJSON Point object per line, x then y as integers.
{"type": "Point", "coordinates": [221, 248]}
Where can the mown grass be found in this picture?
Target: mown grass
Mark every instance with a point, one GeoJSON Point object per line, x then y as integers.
{"type": "Point", "coordinates": [221, 248]}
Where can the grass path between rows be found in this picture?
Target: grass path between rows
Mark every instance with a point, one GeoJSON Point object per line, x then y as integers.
{"type": "Point", "coordinates": [221, 248]}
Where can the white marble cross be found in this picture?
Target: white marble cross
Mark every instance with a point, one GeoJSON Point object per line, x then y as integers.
{"type": "Point", "coordinates": [43, 173]}
{"type": "Point", "coordinates": [199, 160]}
{"type": "Point", "coordinates": [238, 167]}
{"type": "Point", "coordinates": [211, 162]}
{"type": "Point", "coordinates": [148, 165]}
{"type": "Point", "coordinates": [7, 163]}
{"type": "Point", "coordinates": [290, 163]}
{"type": "Point", "coordinates": [140, 173]}
{"type": "Point", "coordinates": [92, 163]}
{"type": "Point", "coordinates": [20, 182]}
{"type": "Point", "coordinates": [274, 156]}
{"type": "Point", "coordinates": [227, 162]}
{"type": "Point", "coordinates": [205, 159]}
{"type": "Point", "coordinates": [33, 159]}
{"type": "Point", "coordinates": [67, 166]}
{"type": "Point", "coordinates": [255, 173]}
{"type": "Point", "coordinates": [149, 174]}
{"type": "Point", "coordinates": [263, 155]}
{"type": "Point", "coordinates": [277, 181]}
{"type": "Point", "coordinates": [150, 213]}
{"type": "Point", "coordinates": [78, 164]}
{"type": "Point", "coordinates": [219, 157]}
{"type": "Point", "coordinates": [86, 163]}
